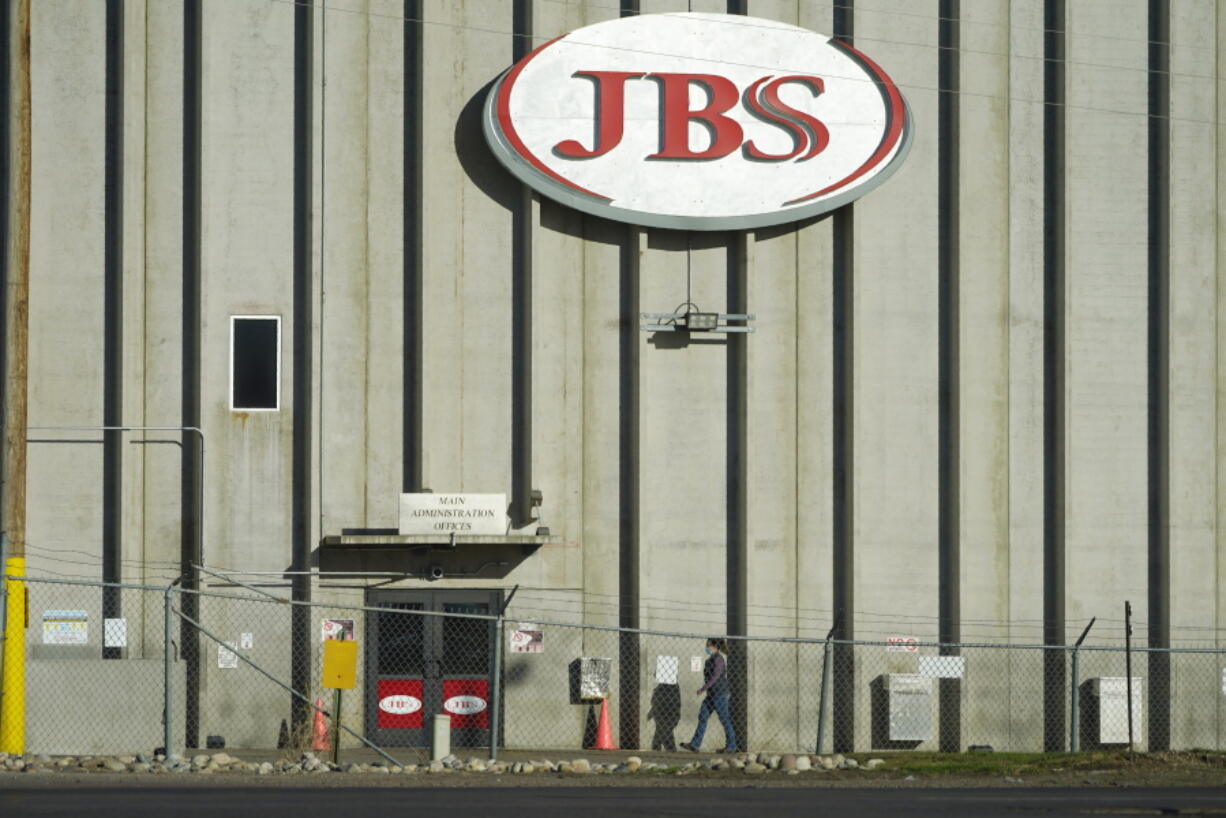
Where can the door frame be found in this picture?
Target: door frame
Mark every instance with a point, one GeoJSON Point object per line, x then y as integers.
{"type": "Point", "coordinates": [432, 675]}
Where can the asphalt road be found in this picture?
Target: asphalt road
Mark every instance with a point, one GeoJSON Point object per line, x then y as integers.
{"type": "Point", "coordinates": [597, 802]}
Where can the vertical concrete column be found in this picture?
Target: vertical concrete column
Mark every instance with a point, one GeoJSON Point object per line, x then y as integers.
{"type": "Point", "coordinates": [780, 709]}
{"type": "Point", "coordinates": [896, 389]}
{"type": "Point", "coordinates": [160, 207]}
{"type": "Point", "coordinates": [1219, 409]}
{"type": "Point", "coordinates": [1023, 564]}
{"type": "Point", "coordinates": [191, 491]}
{"type": "Point", "coordinates": [559, 273]}
{"type": "Point", "coordinates": [412, 230]}
{"type": "Point", "coordinates": [345, 273]}
{"type": "Point", "coordinates": [467, 284]}
{"type": "Point", "coordinates": [67, 381]}
{"type": "Point", "coordinates": [843, 444]}
{"type": "Point", "coordinates": [113, 312]}
{"type": "Point", "coordinates": [813, 400]}
{"type": "Point", "coordinates": [1192, 358]}
{"type": "Point", "coordinates": [1106, 345]}
{"type": "Point", "coordinates": [983, 361]}
{"type": "Point", "coordinates": [384, 205]}
{"type": "Point", "coordinates": [1158, 375]}
{"type": "Point", "coordinates": [1055, 397]}
{"type": "Point", "coordinates": [135, 567]}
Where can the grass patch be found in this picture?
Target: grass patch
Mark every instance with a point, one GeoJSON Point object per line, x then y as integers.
{"type": "Point", "coordinates": [1017, 765]}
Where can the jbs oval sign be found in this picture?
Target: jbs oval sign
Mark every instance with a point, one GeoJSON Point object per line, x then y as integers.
{"type": "Point", "coordinates": [463, 705]}
{"type": "Point", "coordinates": [400, 704]}
{"type": "Point", "coordinates": [698, 121]}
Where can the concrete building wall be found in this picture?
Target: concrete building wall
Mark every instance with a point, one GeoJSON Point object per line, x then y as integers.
{"type": "Point", "coordinates": [616, 413]}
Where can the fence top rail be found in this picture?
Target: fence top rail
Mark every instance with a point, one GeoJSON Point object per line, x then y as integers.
{"type": "Point", "coordinates": [93, 583]}
{"type": "Point", "coordinates": [271, 599]}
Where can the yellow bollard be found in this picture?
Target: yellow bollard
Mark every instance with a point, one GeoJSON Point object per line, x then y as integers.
{"type": "Point", "coordinates": [13, 683]}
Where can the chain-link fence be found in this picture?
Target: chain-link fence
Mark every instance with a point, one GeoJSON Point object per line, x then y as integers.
{"type": "Point", "coordinates": [243, 669]}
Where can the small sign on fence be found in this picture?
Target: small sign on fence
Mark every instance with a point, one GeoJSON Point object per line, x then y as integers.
{"type": "Point", "coordinates": [527, 638]}
{"type": "Point", "coordinates": [227, 659]}
{"type": "Point", "coordinates": [666, 669]}
{"type": "Point", "coordinates": [902, 644]}
{"type": "Point", "coordinates": [942, 667]}
{"type": "Point", "coordinates": [114, 633]}
{"type": "Point", "coordinates": [65, 628]}
{"type": "Point", "coordinates": [340, 664]}
{"type": "Point", "coordinates": [334, 628]}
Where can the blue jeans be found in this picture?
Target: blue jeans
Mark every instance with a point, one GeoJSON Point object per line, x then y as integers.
{"type": "Point", "coordinates": [720, 705]}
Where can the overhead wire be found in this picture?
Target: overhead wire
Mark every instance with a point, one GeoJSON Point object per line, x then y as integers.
{"type": "Point", "coordinates": [735, 20]}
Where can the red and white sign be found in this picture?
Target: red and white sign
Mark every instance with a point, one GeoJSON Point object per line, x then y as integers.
{"type": "Point", "coordinates": [527, 638]}
{"type": "Point", "coordinates": [400, 705]}
{"type": "Point", "coordinates": [902, 644]}
{"type": "Point", "coordinates": [467, 701]}
{"type": "Point", "coordinates": [698, 121]}
{"type": "Point", "coordinates": [330, 629]}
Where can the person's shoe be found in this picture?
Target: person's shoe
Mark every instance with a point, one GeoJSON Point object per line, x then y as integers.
{"type": "Point", "coordinates": [685, 745]}
{"type": "Point", "coordinates": [725, 750]}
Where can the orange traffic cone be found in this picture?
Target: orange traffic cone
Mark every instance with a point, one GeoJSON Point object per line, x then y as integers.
{"type": "Point", "coordinates": [604, 731]}
{"type": "Point", "coordinates": [320, 741]}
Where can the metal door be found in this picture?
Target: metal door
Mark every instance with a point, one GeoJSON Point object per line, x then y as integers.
{"type": "Point", "coordinates": [422, 662]}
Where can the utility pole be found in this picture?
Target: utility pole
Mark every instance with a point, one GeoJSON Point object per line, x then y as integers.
{"type": "Point", "coordinates": [16, 328]}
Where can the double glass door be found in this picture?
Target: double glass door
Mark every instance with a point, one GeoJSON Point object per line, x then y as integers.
{"type": "Point", "coordinates": [422, 662]}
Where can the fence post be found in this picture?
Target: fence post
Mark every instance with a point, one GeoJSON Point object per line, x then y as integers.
{"type": "Point", "coordinates": [1074, 739]}
{"type": "Point", "coordinates": [821, 694]}
{"type": "Point", "coordinates": [821, 699]}
{"type": "Point", "coordinates": [1074, 722]}
{"type": "Point", "coordinates": [167, 674]}
{"type": "Point", "coordinates": [496, 689]}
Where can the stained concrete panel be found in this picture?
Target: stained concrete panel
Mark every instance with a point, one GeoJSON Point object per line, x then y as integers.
{"type": "Point", "coordinates": [1192, 396]}
{"type": "Point", "coordinates": [246, 269]}
{"type": "Point", "coordinates": [467, 256]}
{"type": "Point", "coordinates": [385, 242]}
{"type": "Point", "coordinates": [982, 256]}
{"type": "Point", "coordinates": [896, 350]}
{"type": "Point", "coordinates": [344, 272]}
{"type": "Point", "coordinates": [66, 286]}
{"type": "Point", "coordinates": [160, 207]}
{"type": "Point", "coordinates": [1025, 505]}
{"type": "Point", "coordinates": [895, 369]}
{"type": "Point", "coordinates": [1105, 356]}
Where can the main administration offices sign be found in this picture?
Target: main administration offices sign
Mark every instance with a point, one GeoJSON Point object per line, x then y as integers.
{"type": "Point", "coordinates": [698, 121]}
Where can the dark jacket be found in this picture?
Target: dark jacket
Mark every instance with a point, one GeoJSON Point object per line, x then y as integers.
{"type": "Point", "coordinates": [715, 676]}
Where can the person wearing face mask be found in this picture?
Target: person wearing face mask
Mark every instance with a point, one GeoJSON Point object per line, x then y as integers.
{"type": "Point", "coordinates": [719, 694]}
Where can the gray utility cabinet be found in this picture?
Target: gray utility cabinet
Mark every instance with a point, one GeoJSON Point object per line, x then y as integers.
{"type": "Point", "coordinates": [1111, 693]}
{"type": "Point", "coordinates": [909, 706]}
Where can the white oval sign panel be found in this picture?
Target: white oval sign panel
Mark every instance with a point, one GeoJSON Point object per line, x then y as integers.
{"type": "Point", "coordinates": [698, 121]}
{"type": "Point", "coordinates": [400, 704]}
{"type": "Point", "coordinates": [464, 705]}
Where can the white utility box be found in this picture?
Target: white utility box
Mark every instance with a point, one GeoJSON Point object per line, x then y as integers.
{"type": "Point", "coordinates": [909, 706]}
{"type": "Point", "coordinates": [1111, 692]}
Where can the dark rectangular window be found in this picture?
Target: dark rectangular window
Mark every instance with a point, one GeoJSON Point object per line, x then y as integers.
{"type": "Point", "coordinates": [255, 362]}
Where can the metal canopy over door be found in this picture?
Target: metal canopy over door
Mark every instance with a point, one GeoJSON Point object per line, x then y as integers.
{"type": "Point", "coordinates": [420, 664]}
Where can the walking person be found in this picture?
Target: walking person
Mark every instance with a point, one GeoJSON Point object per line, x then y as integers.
{"type": "Point", "coordinates": [719, 695]}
